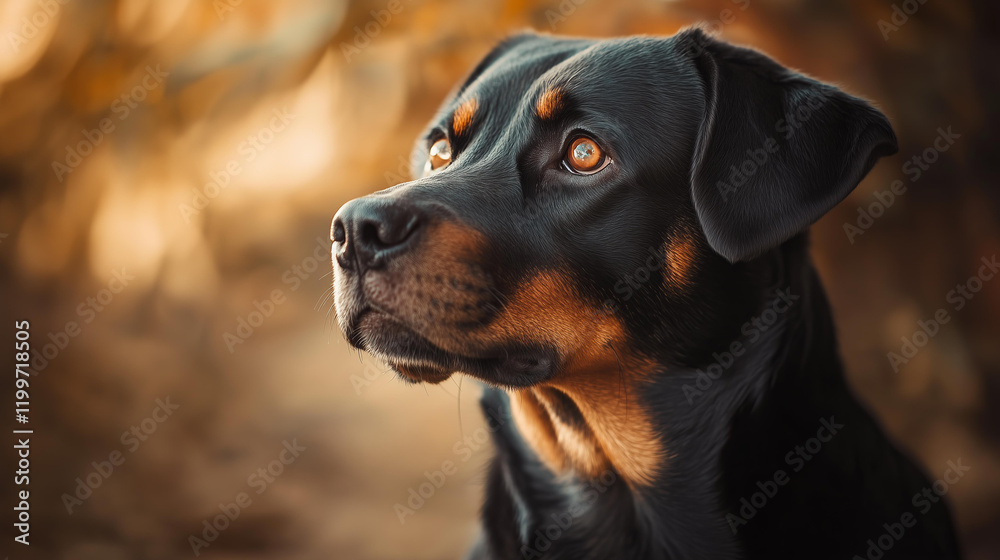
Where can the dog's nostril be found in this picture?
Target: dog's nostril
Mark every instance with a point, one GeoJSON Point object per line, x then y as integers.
{"type": "Point", "coordinates": [339, 233]}
{"type": "Point", "coordinates": [368, 233]}
{"type": "Point", "coordinates": [387, 234]}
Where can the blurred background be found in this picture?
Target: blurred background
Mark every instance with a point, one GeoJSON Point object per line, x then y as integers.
{"type": "Point", "coordinates": [168, 171]}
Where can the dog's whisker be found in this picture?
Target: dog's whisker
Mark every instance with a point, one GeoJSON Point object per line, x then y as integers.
{"type": "Point", "coordinates": [461, 428]}
{"type": "Point", "coordinates": [324, 297]}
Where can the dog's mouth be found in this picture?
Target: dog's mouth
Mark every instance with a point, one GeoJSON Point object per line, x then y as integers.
{"type": "Point", "coordinates": [437, 310]}
{"type": "Point", "coordinates": [418, 360]}
{"type": "Point", "coordinates": [405, 351]}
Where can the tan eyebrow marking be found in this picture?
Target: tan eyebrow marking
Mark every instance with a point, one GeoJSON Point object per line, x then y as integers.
{"type": "Point", "coordinates": [550, 102]}
{"type": "Point", "coordinates": [462, 117]}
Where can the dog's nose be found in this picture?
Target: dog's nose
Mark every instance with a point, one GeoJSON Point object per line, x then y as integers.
{"type": "Point", "coordinates": [370, 231]}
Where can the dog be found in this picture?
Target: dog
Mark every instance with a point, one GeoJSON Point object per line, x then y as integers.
{"type": "Point", "coordinates": [611, 235]}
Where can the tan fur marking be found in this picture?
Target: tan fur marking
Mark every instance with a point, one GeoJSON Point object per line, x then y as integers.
{"type": "Point", "coordinates": [535, 425]}
{"type": "Point", "coordinates": [462, 118]}
{"type": "Point", "coordinates": [681, 258]}
{"type": "Point", "coordinates": [550, 102]}
{"type": "Point", "coordinates": [437, 286]}
{"type": "Point", "coordinates": [593, 345]}
{"type": "Point", "coordinates": [453, 241]}
{"type": "Point", "coordinates": [621, 427]}
{"type": "Point", "coordinates": [547, 309]}
{"type": "Point", "coordinates": [578, 443]}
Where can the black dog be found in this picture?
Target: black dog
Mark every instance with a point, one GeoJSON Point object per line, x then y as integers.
{"type": "Point", "coordinates": [611, 235]}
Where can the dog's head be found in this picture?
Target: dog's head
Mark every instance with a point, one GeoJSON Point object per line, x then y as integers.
{"type": "Point", "coordinates": [576, 198]}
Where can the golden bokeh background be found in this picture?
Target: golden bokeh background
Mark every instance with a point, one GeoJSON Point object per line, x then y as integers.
{"type": "Point", "coordinates": [201, 147]}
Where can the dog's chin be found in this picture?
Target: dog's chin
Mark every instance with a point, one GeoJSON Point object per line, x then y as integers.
{"type": "Point", "coordinates": [418, 360]}
{"type": "Point", "coordinates": [421, 374]}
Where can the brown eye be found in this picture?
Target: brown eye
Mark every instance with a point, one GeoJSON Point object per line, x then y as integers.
{"type": "Point", "coordinates": [585, 156]}
{"type": "Point", "coordinates": [439, 155]}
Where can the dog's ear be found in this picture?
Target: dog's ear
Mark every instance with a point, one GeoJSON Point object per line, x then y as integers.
{"type": "Point", "coordinates": [776, 150]}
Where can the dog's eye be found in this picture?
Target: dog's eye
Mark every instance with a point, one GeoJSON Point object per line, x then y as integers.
{"type": "Point", "coordinates": [439, 155]}
{"type": "Point", "coordinates": [585, 157]}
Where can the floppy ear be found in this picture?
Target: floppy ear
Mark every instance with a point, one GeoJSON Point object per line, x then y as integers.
{"type": "Point", "coordinates": [776, 150]}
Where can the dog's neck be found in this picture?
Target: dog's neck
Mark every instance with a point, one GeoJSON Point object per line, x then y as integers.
{"type": "Point", "coordinates": [653, 465]}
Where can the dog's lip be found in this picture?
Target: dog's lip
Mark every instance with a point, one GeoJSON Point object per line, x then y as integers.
{"type": "Point", "coordinates": [423, 374]}
{"type": "Point", "coordinates": [353, 333]}
{"type": "Point", "coordinates": [402, 348]}
{"type": "Point", "coordinates": [420, 360]}
{"type": "Point", "coordinates": [373, 312]}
